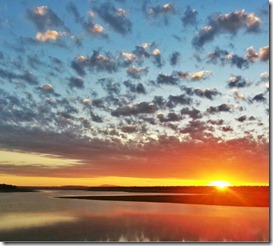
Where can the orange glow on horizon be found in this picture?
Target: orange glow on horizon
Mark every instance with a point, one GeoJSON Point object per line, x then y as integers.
{"type": "Point", "coordinates": [115, 181]}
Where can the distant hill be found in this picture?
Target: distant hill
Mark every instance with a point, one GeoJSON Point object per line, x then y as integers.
{"type": "Point", "coordinates": [13, 188]}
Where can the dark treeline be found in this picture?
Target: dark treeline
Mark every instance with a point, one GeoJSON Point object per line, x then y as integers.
{"type": "Point", "coordinates": [13, 188]}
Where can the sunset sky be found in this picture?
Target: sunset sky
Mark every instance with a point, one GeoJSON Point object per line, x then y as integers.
{"type": "Point", "coordinates": [134, 92]}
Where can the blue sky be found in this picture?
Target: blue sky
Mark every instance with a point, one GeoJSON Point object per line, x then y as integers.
{"type": "Point", "coordinates": [95, 82]}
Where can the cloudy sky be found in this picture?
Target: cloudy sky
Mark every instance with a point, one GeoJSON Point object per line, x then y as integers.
{"type": "Point", "coordinates": [134, 92]}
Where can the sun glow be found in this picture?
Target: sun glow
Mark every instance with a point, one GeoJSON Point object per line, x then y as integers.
{"type": "Point", "coordinates": [220, 184]}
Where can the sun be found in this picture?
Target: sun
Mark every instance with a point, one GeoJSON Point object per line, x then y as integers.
{"type": "Point", "coordinates": [220, 184]}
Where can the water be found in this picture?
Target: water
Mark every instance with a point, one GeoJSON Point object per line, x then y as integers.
{"type": "Point", "coordinates": [40, 216]}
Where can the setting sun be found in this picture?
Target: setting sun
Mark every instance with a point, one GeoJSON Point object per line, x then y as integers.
{"type": "Point", "coordinates": [220, 184]}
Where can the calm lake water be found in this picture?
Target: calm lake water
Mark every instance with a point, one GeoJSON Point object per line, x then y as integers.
{"type": "Point", "coordinates": [40, 216]}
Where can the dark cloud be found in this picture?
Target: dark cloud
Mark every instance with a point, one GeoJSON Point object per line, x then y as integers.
{"type": "Point", "coordinates": [129, 128]}
{"type": "Point", "coordinates": [76, 82]}
{"type": "Point", "coordinates": [259, 98]}
{"type": "Point", "coordinates": [175, 58]}
{"type": "Point", "coordinates": [99, 103]}
{"type": "Point", "coordinates": [96, 118]}
{"type": "Point", "coordinates": [149, 120]}
{"type": "Point", "coordinates": [197, 130]}
{"type": "Point", "coordinates": [209, 93]}
{"type": "Point", "coordinates": [166, 79]}
{"type": "Point", "coordinates": [180, 99]}
{"type": "Point", "coordinates": [135, 88]}
{"type": "Point", "coordinates": [228, 23]}
{"type": "Point", "coordinates": [216, 122]}
{"type": "Point", "coordinates": [237, 81]}
{"type": "Point", "coordinates": [26, 76]}
{"type": "Point", "coordinates": [226, 129]}
{"type": "Point", "coordinates": [241, 118]}
{"type": "Point", "coordinates": [191, 112]}
{"type": "Point", "coordinates": [72, 8]}
{"type": "Point", "coordinates": [170, 117]}
{"type": "Point", "coordinates": [98, 61]}
{"type": "Point", "coordinates": [189, 17]}
{"type": "Point", "coordinates": [78, 66]}
{"type": "Point", "coordinates": [224, 57]}
{"type": "Point", "coordinates": [43, 17]}
{"type": "Point", "coordinates": [221, 108]}
{"type": "Point", "coordinates": [116, 18]}
{"type": "Point", "coordinates": [160, 11]}
{"type": "Point", "coordinates": [134, 109]}
{"type": "Point", "coordinates": [112, 87]}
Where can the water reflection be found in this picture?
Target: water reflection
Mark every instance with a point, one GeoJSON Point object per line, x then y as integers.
{"type": "Point", "coordinates": [41, 217]}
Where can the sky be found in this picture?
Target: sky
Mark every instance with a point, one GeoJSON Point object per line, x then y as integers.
{"type": "Point", "coordinates": [134, 92]}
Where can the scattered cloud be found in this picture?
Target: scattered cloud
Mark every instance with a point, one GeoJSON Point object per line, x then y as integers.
{"type": "Point", "coordinates": [116, 18]}
{"type": "Point", "coordinates": [223, 57]}
{"type": "Point", "coordinates": [76, 82]}
{"type": "Point", "coordinates": [189, 17]}
{"type": "Point", "coordinates": [227, 23]}
{"type": "Point", "coordinates": [134, 109]}
{"type": "Point", "coordinates": [237, 81]}
{"type": "Point", "coordinates": [253, 56]}
{"type": "Point", "coordinates": [43, 17]}
{"type": "Point", "coordinates": [49, 35]}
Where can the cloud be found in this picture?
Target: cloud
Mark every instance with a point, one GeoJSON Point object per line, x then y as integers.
{"type": "Point", "coordinates": [134, 109]}
{"type": "Point", "coordinates": [71, 7]}
{"type": "Point", "coordinates": [170, 117]}
{"type": "Point", "coordinates": [43, 17]}
{"type": "Point", "coordinates": [221, 108]}
{"type": "Point", "coordinates": [237, 81]}
{"type": "Point", "coordinates": [49, 35]}
{"type": "Point", "coordinates": [129, 128]}
{"type": "Point", "coordinates": [189, 17]}
{"type": "Point", "coordinates": [209, 93]}
{"type": "Point", "coordinates": [180, 99]}
{"type": "Point", "coordinates": [76, 82]}
{"type": "Point", "coordinates": [241, 118]}
{"type": "Point", "coordinates": [197, 130]}
{"type": "Point", "coordinates": [116, 18]}
{"type": "Point", "coordinates": [228, 23]}
{"type": "Point", "coordinates": [264, 53]}
{"type": "Point", "coordinates": [128, 57]}
{"type": "Point", "coordinates": [237, 95]}
{"type": "Point", "coordinates": [27, 76]}
{"type": "Point", "coordinates": [200, 75]}
{"type": "Point", "coordinates": [98, 61]}
{"type": "Point", "coordinates": [253, 55]}
{"type": "Point", "coordinates": [135, 72]}
{"type": "Point", "coordinates": [96, 118]}
{"type": "Point", "coordinates": [175, 58]}
{"type": "Point", "coordinates": [47, 88]}
{"type": "Point", "coordinates": [160, 11]}
{"type": "Point", "coordinates": [95, 29]}
{"type": "Point", "coordinates": [226, 129]}
{"type": "Point", "coordinates": [166, 79]}
{"type": "Point", "coordinates": [191, 112]}
{"type": "Point", "coordinates": [259, 98]}
{"type": "Point", "coordinates": [135, 88]}
{"type": "Point", "coordinates": [224, 57]}
{"type": "Point", "coordinates": [264, 76]}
